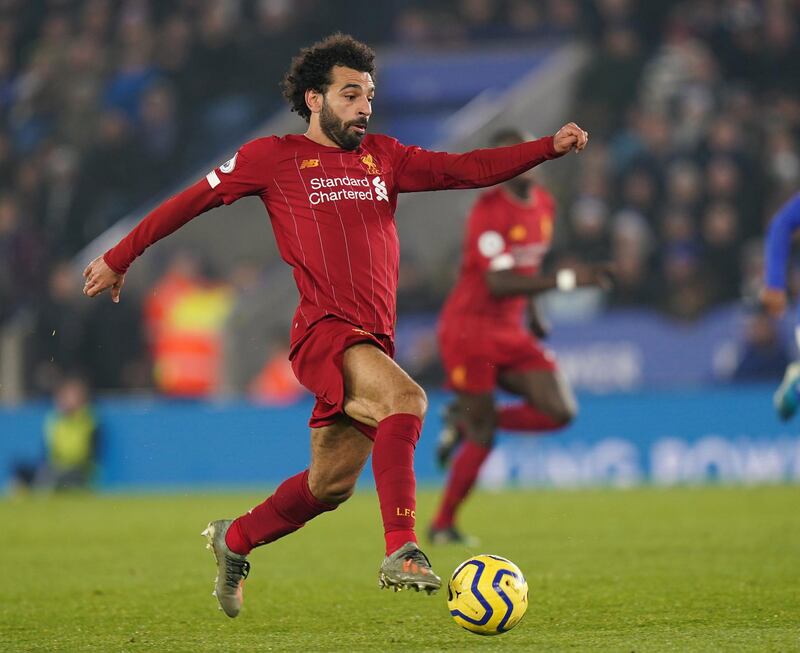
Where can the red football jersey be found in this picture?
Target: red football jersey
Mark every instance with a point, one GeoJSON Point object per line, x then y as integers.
{"type": "Point", "coordinates": [503, 233]}
{"type": "Point", "coordinates": [332, 212]}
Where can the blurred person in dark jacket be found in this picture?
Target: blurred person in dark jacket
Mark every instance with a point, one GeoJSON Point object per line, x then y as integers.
{"type": "Point", "coordinates": [21, 256]}
{"type": "Point", "coordinates": [59, 332]}
{"type": "Point", "coordinates": [763, 355]}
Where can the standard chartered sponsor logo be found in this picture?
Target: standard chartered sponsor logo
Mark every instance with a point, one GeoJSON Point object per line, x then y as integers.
{"type": "Point", "coordinates": [380, 189]}
{"type": "Point", "coordinates": [333, 189]}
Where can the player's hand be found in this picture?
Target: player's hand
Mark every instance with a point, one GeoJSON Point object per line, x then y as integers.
{"type": "Point", "coordinates": [570, 137]}
{"type": "Point", "coordinates": [773, 300]}
{"type": "Point", "coordinates": [595, 274]}
{"type": "Point", "coordinates": [100, 277]}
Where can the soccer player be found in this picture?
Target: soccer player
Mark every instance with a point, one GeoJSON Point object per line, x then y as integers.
{"type": "Point", "coordinates": [773, 296]}
{"type": "Point", "coordinates": [482, 339]}
{"type": "Point", "coordinates": [331, 195]}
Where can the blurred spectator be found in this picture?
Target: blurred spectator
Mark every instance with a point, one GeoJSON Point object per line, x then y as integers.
{"type": "Point", "coordinates": [58, 338]}
{"type": "Point", "coordinates": [639, 192]}
{"type": "Point", "coordinates": [589, 222]}
{"type": "Point", "coordinates": [79, 90]}
{"type": "Point", "coordinates": [59, 194]}
{"type": "Point", "coordinates": [158, 132]}
{"type": "Point", "coordinates": [414, 25]}
{"type": "Point", "coordinates": [526, 19]}
{"type": "Point", "coordinates": [71, 433]}
{"type": "Point", "coordinates": [480, 19]}
{"type": "Point", "coordinates": [246, 337]}
{"type": "Point", "coordinates": [684, 186]}
{"type": "Point", "coordinates": [135, 72]}
{"type": "Point", "coordinates": [111, 178]}
{"type": "Point", "coordinates": [275, 384]}
{"type": "Point", "coordinates": [610, 80]}
{"type": "Point", "coordinates": [186, 314]}
{"type": "Point", "coordinates": [763, 355]}
{"type": "Point", "coordinates": [685, 293]}
{"type": "Point", "coordinates": [632, 244]}
{"type": "Point", "coordinates": [115, 353]}
{"type": "Point", "coordinates": [720, 231]}
{"type": "Point", "coordinates": [21, 258]}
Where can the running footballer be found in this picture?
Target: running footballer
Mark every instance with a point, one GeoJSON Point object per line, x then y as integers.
{"type": "Point", "coordinates": [331, 194]}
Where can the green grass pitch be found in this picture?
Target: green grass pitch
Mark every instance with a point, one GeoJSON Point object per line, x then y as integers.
{"type": "Point", "coordinates": [691, 569]}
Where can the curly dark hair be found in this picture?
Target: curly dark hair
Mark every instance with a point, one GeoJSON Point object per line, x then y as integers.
{"type": "Point", "coordinates": [311, 69]}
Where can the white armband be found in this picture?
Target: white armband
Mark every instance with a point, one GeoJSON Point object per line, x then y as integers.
{"type": "Point", "coordinates": [502, 262]}
{"type": "Point", "coordinates": [566, 279]}
{"type": "Point", "coordinates": [213, 179]}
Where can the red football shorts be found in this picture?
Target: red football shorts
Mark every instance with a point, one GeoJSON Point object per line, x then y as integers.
{"type": "Point", "coordinates": [474, 355]}
{"type": "Point", "coordinates": [317, 363]}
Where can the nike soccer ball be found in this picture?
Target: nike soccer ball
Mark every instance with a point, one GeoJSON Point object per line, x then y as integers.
{"type": "Point", "coordinates": [487, 595]}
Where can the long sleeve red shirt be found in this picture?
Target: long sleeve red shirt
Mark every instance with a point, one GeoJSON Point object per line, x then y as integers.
{"type": "Point", "coordinates": [332, 212]}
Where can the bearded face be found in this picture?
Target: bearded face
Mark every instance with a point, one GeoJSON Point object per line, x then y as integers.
{"type": "Point", "coordinates": [347, 135]}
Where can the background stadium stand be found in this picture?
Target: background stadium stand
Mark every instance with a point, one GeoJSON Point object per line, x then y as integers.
{"type": "Point", "coordinates": [108, 107]}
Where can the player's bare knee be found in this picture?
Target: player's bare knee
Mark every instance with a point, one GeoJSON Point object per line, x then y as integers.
{"type": "Point", "coordinates": [410, 398]}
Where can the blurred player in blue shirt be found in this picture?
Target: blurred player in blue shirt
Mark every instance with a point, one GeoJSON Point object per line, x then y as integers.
{"type": "Point", "coordinates": [776, 255]}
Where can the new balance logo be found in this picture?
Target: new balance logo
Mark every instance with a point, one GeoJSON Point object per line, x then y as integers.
{"type": "Point", "coordinates": [309, 163]}
{"type": "Point", "coordinates": [380, 189]}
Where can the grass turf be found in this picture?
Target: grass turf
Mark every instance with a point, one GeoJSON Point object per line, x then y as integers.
{"type": "Point", "coordinates": [691, 569]}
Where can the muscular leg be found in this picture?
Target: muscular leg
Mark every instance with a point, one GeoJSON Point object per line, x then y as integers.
{"type": "Point", "coordinates": [338, 454]}
{"type": "Point", "coordinates": [378, 392]}
{"type": "Point", "coordinates": [476, 412]}
{"type": "Point", "coordinates": [549, 402]}
{"type": "Point", "coordinates": [377, 387]}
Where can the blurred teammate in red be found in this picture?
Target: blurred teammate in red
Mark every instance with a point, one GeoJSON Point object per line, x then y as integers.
{"type": "Point", "coordinates": [331, 195]}
{"type": "Point", "coordinates": [483, 342]}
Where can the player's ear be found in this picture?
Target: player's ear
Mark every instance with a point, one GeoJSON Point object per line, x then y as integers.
{"type": "Point", "coordinates": [314, 100]}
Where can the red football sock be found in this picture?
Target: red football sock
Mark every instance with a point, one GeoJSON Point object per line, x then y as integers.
{"type": "Point", "coordinates": [524, 417]}
{"type": "Point", "coordinates": [466, 465]}
{"type": "Point", "coordinates": [284, 512]}
{"type": "Point", "coordinates": [393, 468]}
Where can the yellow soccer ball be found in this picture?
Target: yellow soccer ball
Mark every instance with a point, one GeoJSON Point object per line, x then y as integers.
{"type": "Point", "coordinates": [487, 595]}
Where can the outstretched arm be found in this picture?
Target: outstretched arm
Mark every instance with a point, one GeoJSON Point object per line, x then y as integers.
{"type": "Point", "coordinates": [421, 170]}
{"type": "Point", "coordinates": [108, 271]}
{"type": "Point", "coordinates": [242, 175]}
{"type": "Point", "coordinates": [776, 255]}
{"type": "Point", "coordinates": [508, 283]}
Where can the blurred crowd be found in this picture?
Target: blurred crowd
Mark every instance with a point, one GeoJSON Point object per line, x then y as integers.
{"type": "Point", "coordinates": [693, 107]}
{"type": "Point", "coordinates": [106, 104]}
{"type": "Point", "coordinates": [694, 146]}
